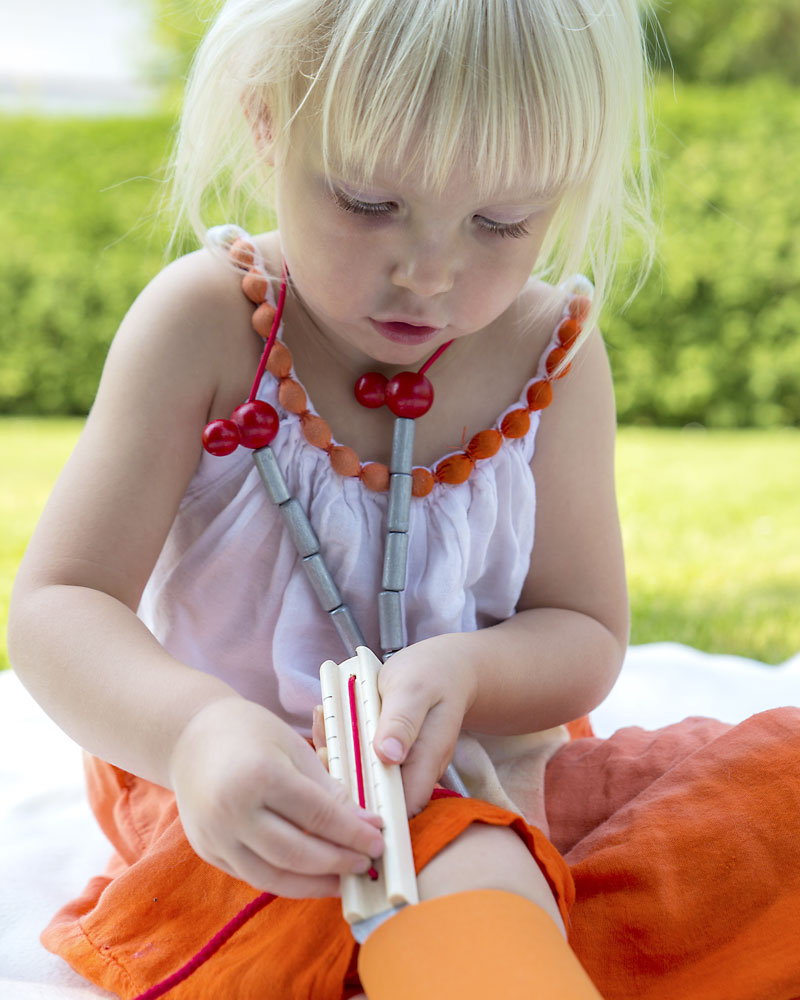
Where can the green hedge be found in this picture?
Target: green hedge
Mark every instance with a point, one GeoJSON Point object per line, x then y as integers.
{"type": "Point", "coordinates": [80, 238]}
{"type": "Point", "coordinates": [712, 338]}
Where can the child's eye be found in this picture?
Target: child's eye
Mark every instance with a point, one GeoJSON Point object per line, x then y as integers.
{"type": "Point", "coordinates": [514, 229]}
{"type": "Point", "coordinates": [373, 208]}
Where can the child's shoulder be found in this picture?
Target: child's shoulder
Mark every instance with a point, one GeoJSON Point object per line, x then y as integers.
{"type": "Point", "coordinates": [193, 318]}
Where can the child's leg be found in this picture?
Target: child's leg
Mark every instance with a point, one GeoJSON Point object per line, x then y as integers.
{"type": "Point", "coordinates": [488, 925]}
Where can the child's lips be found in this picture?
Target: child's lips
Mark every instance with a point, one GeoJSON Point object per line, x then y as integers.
{"type": "Point", "coordinates": [400, 332]}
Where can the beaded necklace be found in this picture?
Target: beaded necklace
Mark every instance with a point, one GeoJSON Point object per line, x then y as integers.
{"type": "Point", "coordinates": [408, 395]}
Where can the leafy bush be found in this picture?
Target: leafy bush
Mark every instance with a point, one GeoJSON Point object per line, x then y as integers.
{"type": "Point", "coordinates": [717, 41]}
{"type": "Point", "coordinates": [80, 237]}
{"type": "Point", "coordinates": [712, 338]}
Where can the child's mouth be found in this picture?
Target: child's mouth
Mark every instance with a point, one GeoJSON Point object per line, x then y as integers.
{"type": "Point", "coordinates": [404, 333]}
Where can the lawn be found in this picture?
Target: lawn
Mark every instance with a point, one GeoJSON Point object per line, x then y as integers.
{"type": "Point", "coordinates": [711, 522]}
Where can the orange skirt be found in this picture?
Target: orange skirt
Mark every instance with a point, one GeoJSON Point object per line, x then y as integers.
{"type": "Point", "coordinates": [678, 848]}
{"type": "Point", "coordinates": [158, 904]}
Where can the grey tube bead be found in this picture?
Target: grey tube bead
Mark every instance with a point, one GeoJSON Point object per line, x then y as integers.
{"type": "Point", "coordinates": [322, 582]}
{"type": "Point", "coordinates": [395, 558]}
{"type": "Point", "coordinates": [348, 629]}
{"type": "Point", "coordinates": [399, 502]}
{"type": "Point", "coordinates": [390, 616]}
{"type": "Point", "coordinates": [271, 475]}
{"type": "Point", "coordinates": [402, 445]}
{"type": "Point", "coordinates": [299, 527]}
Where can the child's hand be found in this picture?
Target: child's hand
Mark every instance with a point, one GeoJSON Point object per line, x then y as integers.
{"type": "Point", "coordinates": [426, 690]}
{"type": "Point", "coordinates": [256, 802]}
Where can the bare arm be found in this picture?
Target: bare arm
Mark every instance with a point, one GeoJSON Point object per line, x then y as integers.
{"type": "Point", "coordinates": [562, 652]}
{"type": "Point", "coordinates": [74, 637]}
{"type": "Point", "coordinates": [253, 797]}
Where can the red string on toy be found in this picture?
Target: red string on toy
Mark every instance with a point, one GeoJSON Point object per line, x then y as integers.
{"type": "Point", "coordinates": [205, 953]}
{"type": "Point", "coordinates": [351, 691]}
{"type": "Point", "coordinates": [362, 798]}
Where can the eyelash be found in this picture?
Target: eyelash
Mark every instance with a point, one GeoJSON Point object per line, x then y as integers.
{"type": "Point", "coordinates": [516, 230]}
{"type": "Point", "coordinates": [378, 209]}
{"type": "Point", "coordinates": [368, 208]}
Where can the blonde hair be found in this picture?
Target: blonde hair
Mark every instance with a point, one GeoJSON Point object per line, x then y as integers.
{"type": "Point", "coordinates": [552, 92]}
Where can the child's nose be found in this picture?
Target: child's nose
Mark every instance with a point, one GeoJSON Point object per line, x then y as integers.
{"type": "Point", "coordinates": [426, 268]}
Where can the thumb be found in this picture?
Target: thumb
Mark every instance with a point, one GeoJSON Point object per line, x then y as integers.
{"type": "Point", "coordinates": [400, 721]}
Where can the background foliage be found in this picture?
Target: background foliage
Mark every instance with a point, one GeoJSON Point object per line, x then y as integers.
{"type": "Point", "coordinates": [711, 339]}
{"type": "Point", "coordinates": [722, 42]}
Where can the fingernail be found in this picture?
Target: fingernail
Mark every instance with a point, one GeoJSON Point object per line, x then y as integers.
{"type": "Point", "coordinates": [392, 748]}
{"type": "Point", "coordinates": [376, 848]}
{"type": "Point", "coordinates": [360, 866]}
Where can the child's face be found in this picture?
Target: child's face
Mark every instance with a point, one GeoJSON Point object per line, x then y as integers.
{"type": "Point", "coordinates": [389, 271]}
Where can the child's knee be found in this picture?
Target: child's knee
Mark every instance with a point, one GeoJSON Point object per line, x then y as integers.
{"type": "Point", "coordinates": [488, 857]}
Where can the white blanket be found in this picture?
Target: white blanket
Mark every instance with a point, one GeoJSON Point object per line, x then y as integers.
{"type": "Point", "coordinates": [50, 845]}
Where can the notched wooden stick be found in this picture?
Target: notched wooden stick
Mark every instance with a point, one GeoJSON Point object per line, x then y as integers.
{"type": "Point", "coordinates": [396, 884]}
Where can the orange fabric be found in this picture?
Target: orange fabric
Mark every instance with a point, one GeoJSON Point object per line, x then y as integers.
{"type": "Point", "coordinates": [488, 944]}
{"type": "Point", "coordinates": [683, 844]}
{"type": "Point", "coordinates": [158, 904]}
{"type": "Point", "coordinates": [579, 729]}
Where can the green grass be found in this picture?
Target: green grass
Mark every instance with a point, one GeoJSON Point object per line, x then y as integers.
{"type": "Point", "coordinates": [710, 521]}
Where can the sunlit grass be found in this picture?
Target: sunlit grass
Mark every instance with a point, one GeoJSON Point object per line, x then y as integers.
{"type": "Point", "coordinates": [711, 522]}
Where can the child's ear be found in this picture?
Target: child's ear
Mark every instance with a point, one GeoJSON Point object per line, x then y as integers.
{"type": "Point", "coordinates": [260, 121]}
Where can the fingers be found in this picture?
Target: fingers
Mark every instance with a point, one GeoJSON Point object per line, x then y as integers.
{"type": "Point", "coordinates": [245, 865]}
{"type": "Point", "coordinates": [427, 760]}
{"type": "Point", "coordinates": [320, 805]}
{"type": "Point", "coordinates": [281, 847]}
{"type": "Point", "coordinates": [318, 728]}
{"type": "Point", "coordinates": [404, 709]}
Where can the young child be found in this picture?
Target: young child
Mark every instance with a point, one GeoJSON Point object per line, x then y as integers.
{"type": "Point", "coordinates": [440, 170]}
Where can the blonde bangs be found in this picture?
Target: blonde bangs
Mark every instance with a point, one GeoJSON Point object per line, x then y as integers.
{"type": "Point", "coordinates": [549, 94]}
{"type": "Point", "coordinates": [429, 86]}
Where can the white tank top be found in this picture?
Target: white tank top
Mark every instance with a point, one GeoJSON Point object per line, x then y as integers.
{"type": "Point", "coordinates": [228, 594]}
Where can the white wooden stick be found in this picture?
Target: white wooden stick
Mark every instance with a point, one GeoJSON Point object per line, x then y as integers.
{"type": "Point", "coordinates": [363, 897]}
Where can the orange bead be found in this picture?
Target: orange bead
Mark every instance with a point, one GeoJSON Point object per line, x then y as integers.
{"type": "Point", "coordinates": [554, 359]}
{"type": "Point", "coordinates": [375, 476]}
{"type": "Point", "coordinates": [579, 307]}
{"type": "Point", "coordinates": [344, 461]}
{"type": "Point", "coordinates": [422, 481]}
{"type": "Point", "coordinates": [539, 395]}
{"type": "Point", "coordinates": [279, 362]}
{"type": "Point", "coordinates": [568, 332]}
{"type": "Point", "coordinates": [454, 469]}
{"type": "Point", "coordinates": [292, 396]}
{"type": "Point", "coordinates": [484, 444]}
{"type": "Point", "coordinates": [516, 424]}
{"type": "Point", "coordinates": [316, 430]}
{"type": "Point", "coordinates": [243, 252]}
{"type": "Point", "coordinates": [254, 286]}
{"type": "Point", "coordinates": [262, 320]}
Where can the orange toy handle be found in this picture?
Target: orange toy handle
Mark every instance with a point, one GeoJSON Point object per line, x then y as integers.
{"type": "Point", "coordinates": [478, 944]}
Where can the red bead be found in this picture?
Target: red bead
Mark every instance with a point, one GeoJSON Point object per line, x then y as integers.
{"type": "Point", "coordinates": [370, 390]}
{"type": "Point", "coordinates": [409, 394]}
{"type": "Point", "coordinates": [257, 422]}
{"type": "Point", "coordinates": [221, 437]}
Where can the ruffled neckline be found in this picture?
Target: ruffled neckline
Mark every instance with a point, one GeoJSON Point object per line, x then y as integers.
{"type": "Point", "coordinates": [454, 468]}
